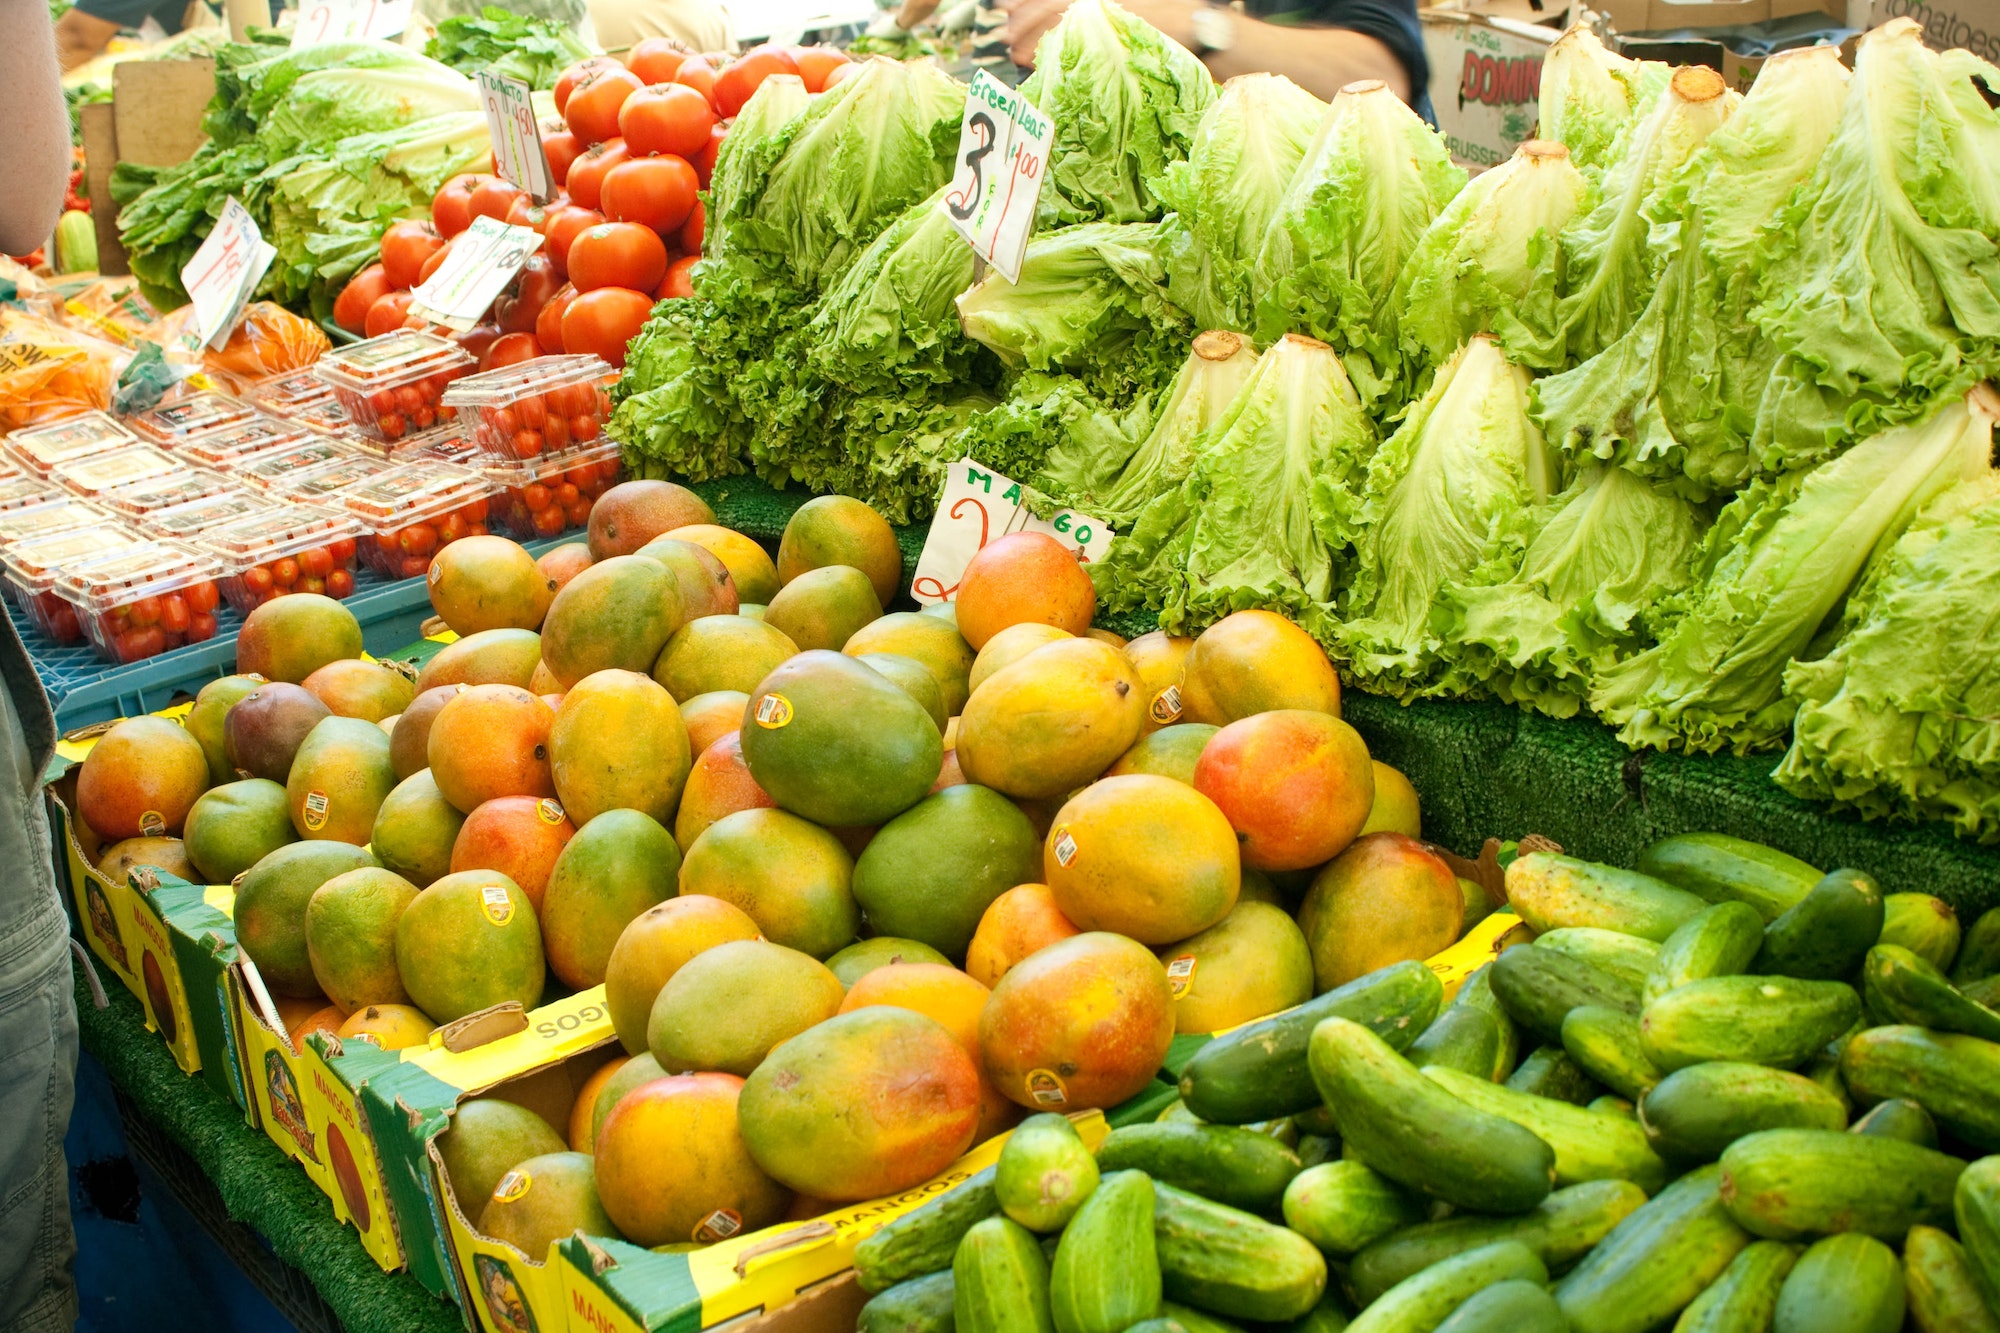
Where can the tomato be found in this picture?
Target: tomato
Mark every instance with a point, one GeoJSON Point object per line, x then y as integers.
{"type": "Point", "coordinates": [548, 324]}
{"type": "Point", "coordinates": [586, 174]}
{"type": "Point", "coordinates": [666, 118]}
{"type": "Point", "coordinates": [838, 73]}
{"type": "Point", "coordinates": [816, 62]}
{"type": "Point", "coordinates": [284, 571]}
{"type": "Point", "coordinates": [202, 597]}
{"type": "Point", "coordinates": [617, 254]}
{"type": "Point", "coordinates": [656, 192]}
{"type": "Point", "coordinates": [693, 229]}
{"type": "Point", "coordinates": [680, 277]}
{"type": "Point", "coordinates": [363, 290]}
{"type": "Point", "coordinates": [451, 210]}
{"type": "Point", "coordinates": [510, 349]}
{"type": "Point", "coordinates": [432, 264]}
{"type": "Point", "coordinates": [201, 625]}
{"type": "Point", "coordinates": [565, 225]}
{"type": "Point", "coordinates": [258, 580]}
{"type": "Point", "coordinates": [477, 339]}
{"type": "Point", "coordinates": [405, 247]}
{"type": "Point", "coordinates": [493, 197]}
{"type": "Point", "coordinates": [696, 73]}
{"type": "Point", "coordinates": [704, 165]}
{"type": "Point", "coordinates": [560, 147]}
{"type": "Point", "coordinates": [656, 59]}
{"type": "Point", "coordinates": [741, 76]}
{"type": "Point", "coordinates": [566, 81]}
{"type": "Point", "coordinates": [417, 539]}
{"type": "Point", "coordinates": [387, 314]}
{"type": "Point", "coordinates": [603, 321]}
{"type": "Point", "coordinates": [339, 584]}
{"type": "Point", "coordinates": [316, 562]}
{"type": "Point", "coordinates": [592, 109]}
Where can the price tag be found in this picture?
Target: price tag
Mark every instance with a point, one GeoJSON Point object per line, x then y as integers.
{"type": "Point", "coordinates": [225, 271]}
{"type": "Point", "coordinates": [349, 20]}
{"type": "Point", "coordinates": [517, 140]}
{"type": "Point", "coordinates": [1003, 145]}
{"type": "Point", "coordinates": [980, 506]}
{"type": "Point", "coordinates": [483, 260]}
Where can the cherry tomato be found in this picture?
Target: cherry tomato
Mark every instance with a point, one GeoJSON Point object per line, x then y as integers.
{"type": "Point", "coordinates": [704, 164]}
{"type": "Point", "coordinates": [413, 566]}
{"type": "Point", "coordinates": [656, 59]}
{"type": "Point", "coordinates": [528, 443]}
{"type": "Point", "coordinates": [515, 311]}
{"type": "Point", "coordinates": [655, 192]}
{"type": "Point", "coordinates": [816, 62]}
{"type": "Point", "coordinates": [174, 613]}
{"type": "Point", "coordinates": [696, 73]}
{"type": "Point", "coordinates": [284, 571]}
{"type": "Point", "coordinates": [432, 264]}
{"type": "Point", "coordinates": [566, 81]}
{"type": "Point", "coordinates": [617, 254]}
{"type": "Point", "coordinates": [565, 225]}
{"type": "Point", "coordinates": [838, 73]}
{"type": "Point", "coordinates": [138, 644]}
{"type": "Point", "coordinates": [387, 314]}
{"type": "Point", "coordinates": [694, 229]}
{"type": "Point", "coordinates": [417, 539]}
{"type": "Point", "coordinates": [257, 579]}
{"type": "Point", "coordinates": [509, 350]}
{"type": "Point", "coordinates": [593, 106]}
{"type": "Point", "coordinates": [548, 324]}
{"type": "Point", "coordinates": [451, 210]}
{"type": "Point", "coordinates": [451, 527]}
{"type": "Point", "coordinates": [537, 497]}
{"type": "Point", "coordinates": [561, 147]}
{"type": "Point", "coordinates": [586, 174]}
{"type": "Point", "coordinates": [680, 277]}
{"type": "Point", "coordinates": [316, 562]}
{"type": "Point", "coordinates": [492, 198]}
{"type": "Point", "coordinates": [339, 584]}
{"type": "Point", "coordinates": [145, 611]}
{"type": "Point", "coordinates": [201, 626]}
{"type": "Point", "coordinates": [666, 118]}
{"type": "Point", "coordinates": [405, 247]}
{"type": "Point", "coordinates": [550, 521]}
{"type": "Point", "coordinates": [203, 597]}
{"type": "Point", "coordinates": [603, 321]}
{"type": "Point", "coordinates": [741, 76]}
{"type": "Point", "coordinates": [343, 551]}
{"type": "Point", "coordinates": [363, 290]}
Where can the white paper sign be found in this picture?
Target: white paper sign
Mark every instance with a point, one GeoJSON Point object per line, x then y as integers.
{"type": "Point", "coordinates": [980, 506]}
{"type": "Point", "coordinates": [517, 139]}
{"type": "Point", "coordinates": [349, 20]}
{"type": "Point", "coordinates": [225, 271]}
{"type": "Point", "coordinates": [484, 258]}
{"type": "Point", "coordinates": [1003, 145]}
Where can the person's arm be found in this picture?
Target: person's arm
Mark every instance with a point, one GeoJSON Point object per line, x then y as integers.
{"type": "Point", "coordinates": [31, 106]}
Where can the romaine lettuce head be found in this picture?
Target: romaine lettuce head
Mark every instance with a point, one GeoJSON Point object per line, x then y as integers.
{"type": "Point", "coordinates": [1589, 94]}
{"type": "Point", "coordinates": [1223, 197]}
{"type": "Point", "coordinates": [323, 107]}
{"type": "Point", "coordinates": [1085, 293]}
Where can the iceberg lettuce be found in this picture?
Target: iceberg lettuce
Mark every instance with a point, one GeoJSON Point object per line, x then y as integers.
{"type": "Point", "coordinates": [1590, 94]}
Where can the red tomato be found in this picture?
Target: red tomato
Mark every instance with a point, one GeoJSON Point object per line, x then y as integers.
{"type": "Point", "coordinates": [816, 62]}
{"type": "Point", "coordinates": [666, 118]}
{"type": "Point", "coordinates": [477, 339]}
{"type": "Point", "coordinates": [704, 165]}
{"type": "Point", "coordinates": [510, 349]}
{"type": "Point", "coordinates": [586, 174]}
{"type": "Point", "coordinates": [515, 311]}
{"type": "Point", "coordinates": [492, 198]}
{"type": "Point", "coordinates": [202, 597]}
{"type": "Point", "coordinates": [603, 321]}
{"type": "Point", "coordinates": [339, 584]}
{"type": "Point", "coordinates": [655, 60]}
{"type": "Point", "coordinates": [526, 213]}
{"type": "Point", "coordinates": [561, 147]}
{"type": "Point", "coordinates": [693, 229]}
{"type": "Point", "coordinates": [387, 314]}
{"type": "Point", "coordinates": [363, 290]}
{"type": "Point", "coordinates": [680, 277]}
{"type": "Point", "coordinates": [565, 225]}
{"type": "Point", "coordinates": [566, 81]}
{"type": "Point", "coordinates": [548, 324]}
{"type": "Point", "coordinates": [592, 110]}
{"type": "Point", "coordinates": [316, 562]}
{"type": "Point", "coordinates": [617, 254]}
{"type": "Point", "coordinates": [451, 210]}
{"type": "Point", "coordinates": [696, 73]}
{"type": "Point", "coordinates": [656, 192]}
{"type": "Point", "coordinates": [838, 73]}
{"type": "Point", "coordinates": [431, 264]}
{"type": "Point", "coordinates": [741, 76]}
{"type": "Point", "coordinates": [405, 247]}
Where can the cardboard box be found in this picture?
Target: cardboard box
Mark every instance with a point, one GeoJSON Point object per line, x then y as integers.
{"type": "Point", "coordinates": [1711, 32]}
{"type": "Point", "coordinates": [1972, 24]}
{"type": "Point", "coordinates": [103, 906]}
{"type": "Point", "coordinates": [188, 928]}
{"type": "Point", "coordinates": [1486, 78]}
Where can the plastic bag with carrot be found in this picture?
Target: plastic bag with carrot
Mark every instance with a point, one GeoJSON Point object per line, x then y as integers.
{"type": "Point", "coordinates": [50, 370]}
{"type": "Point", "coordinates": [268, 340]}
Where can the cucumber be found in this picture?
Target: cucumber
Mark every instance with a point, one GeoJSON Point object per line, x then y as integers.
{"type": "Point", "coordinates": [1464, 1038]}
{"type": "Point", "coordinates": [923, 1240]}
{"type": "Point", "coordinates": [1744, 1297]}
{"type": "Point", "coordinates": [1786, 1183]}
{"type": "Point", "coordinates": [921, 1305]}
{"type": "Point", "coordinates": [1477, 993]}
{"type": "Point", "coordinates": [1223, 1260]}
{"type": "Point", "coordinates": [1898, 1119]}
{"type": "Point", "coordinates": [1419, 1303]}
{"type": "Point", "coordinates": [1826, 935]}
{"type": "Point", "coordinates": [1259, 1072]}
{"type": "Point", "coordinates": [1843, 1284]}
{"type": "Point", "coordinates": [1718, 869]}
{"type": "Point", "coordinates": [1605, 1045]}
{"type": "Point", "coordinates": [1943, 1294]}
{"type": "Point", "coordinates": [1901, 986]}
{"type": "Point", "coordinates": [1318, 1121]}
{"type": "Point", "coordinates": [1926, 926]}
{"type": "Point", "coordinates": [1514, 1306]}
{"type": "Point", "coordinates": [1106, 1276]}
{"type": "Point", "coordinates": [1044, 1173]}
{"type": "Point", "coordinates": [1182, 1319]}
{"type": "Point", "coordinates": [1951, 1075]}
{"type": "Point", "coordinates": [1984, 990]}
{"type": "Point", "coordinates": [1824, 1069]}
{"type": "Point", "coordinates": [1342, 1206]}
{"type": "Point", "coordinates": [1234, 1166]}
{"type": "Point", "coordinates": [1778, 1021]}
{"type": "Point", "coordinates": [1626, 957]}
{"type": "Point", "coordinates": [1314, 1149]}
{"type": "Point", "coordinates": [1538, 987]}
{"type": "Point", "coordinates": [1551, 891]}
{"type": "Point", "coordinates": [1721, 942]}
{"type": "Point", "coordinates": [1587, 1145]}
{"type": "Point", "coordinates": [1695, 1113]}
{"type": "Point", "coordinates": [1560, 1230]}
{"type": "Point", "coordinates": [1976, 1209]}
{"type": "Point", "coordinates": [1979, 951]}
{"type": "Point", "coordinates": [1000, 1281]}
{"type": "Point", "coordinates": [1655, 1261]}
{"type": "Point", "coordinates": [1549, 1072]}
{"type": "Point", "coordinates": [1410, 1129]}
{"type": "Point", "coordinates": [1331, 1315]}
{"type": "Point", "coordinates": [1609, 1105]}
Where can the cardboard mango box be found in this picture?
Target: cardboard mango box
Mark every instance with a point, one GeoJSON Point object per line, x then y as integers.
{"type": "Point", "coordinates": [102, 905]}
{"type": "Point", "coordinates": [188, 930]}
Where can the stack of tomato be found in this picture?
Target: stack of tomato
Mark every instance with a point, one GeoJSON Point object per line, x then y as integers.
{"type": "Point", "coordinates": [635, 146]}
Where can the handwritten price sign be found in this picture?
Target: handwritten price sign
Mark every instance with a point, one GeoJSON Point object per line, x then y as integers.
{"type": "Point", "coordinates": [225, 271]}
{"type": "Point", "coordinates": [483, 260]}
{"type": "Point", "coordinates": [517, 139]}
{"type": "Point", "coordinates": [980, 506]}
{"type": "Point", "coordinates": [1003, 146]}
{"type": "Point", "coordinates": [349, 20]}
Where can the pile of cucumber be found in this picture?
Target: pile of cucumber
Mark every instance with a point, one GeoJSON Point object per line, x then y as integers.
{"type": "Point", "coordinates": [1721, 1093]}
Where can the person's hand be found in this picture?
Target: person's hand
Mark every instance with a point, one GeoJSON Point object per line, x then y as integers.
{"type": "Point", "coordinates": [1027, 20]}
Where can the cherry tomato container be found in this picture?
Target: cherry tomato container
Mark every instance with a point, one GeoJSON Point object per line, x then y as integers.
{"type": "Point", "coordinates": [547, 497]}
{"type": "Point", "coordinates": [278, 472]}
{"type": "Point", "coordinates": [231, 447]}
{"type": "Point", "coordinates": [156, 495]}
{"type": "Point", "coordinates": [393, 386]}
{"type": "Point", "coordinates": [64, 514]}
{"type": "Point", "coordinates": [549, 407]}
{"type": "Point", "coordinates": [292, 548]}
{"type": "Point", "coordinates": [321, 485]}
{"type": "Point", "coordinates": [449, 443]}
{"type": "Point", "coordinates": [290, 393]}
{"type": "Point", "coordinates": [19, 492]}
{"type": "Point", "coordinates": [185, 522]}
{"type": "Point", "coordinates": [32, 568]}
{"type": "Point", "coordinates": [99, 473]}
{"type": "Point", "coordinates": [42, 449]}
{"type": "Point", "coordinates": [144, 601]}
{"type": "Point", "coordinates": [412, 510]}
{"type": "Point", "coordinates": [197, 414]}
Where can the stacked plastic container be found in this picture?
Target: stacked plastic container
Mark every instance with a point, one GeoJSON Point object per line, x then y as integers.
{"type": "Point", "coordinates": [411, 511]}
{"type": "Point", "coordinates": [284, 549]}
{"type": "Point", "coordinates": [394, 386]}
{"type": "Point", "coordinates": [143, 600]}
{"type": "Point", "coordinates": [540, 426]}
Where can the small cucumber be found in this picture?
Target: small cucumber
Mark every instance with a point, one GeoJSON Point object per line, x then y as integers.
{"type": "Point", "coordinates": [1825, 936]}
{"type": "Point", "coordinates": [1610, 1105]}
{"type": "Point", "coordinates": [1786, 1183]}
{"type": "Point", "coordinates": [1342, 1206]}
{"type": "Point", "coordinates": [1238, 1167]}
{"type": "Point", "coordinates": [1898, 1119]}
{"type": "Point", "coordinates": [1718, 868]}
{"type": "Point", "coordinates": [1514, 1306]}
{"type": "Point", "coordinates": [921, 1305]}
{"type": "Point", "coordinates": [1549, 1072]}
{"type": "Point", "coordinates": [1413, 1131]}
{"type": "Point", "coordinates": [1418, 1304]}
{"type": "Point", "coordinates": [1926, 926]}
{"type": "Point", "coordinates": [1979, 952]}
{"type": "Point", "coordinates": [1944, 1295]}
{"type": "Point", "coordinates": [1721, 942]}
{"type": "Point", "coordinates": [1106, 1276]}
{"type": "Point", "coordinates": [1560, 1230]}
{"type": "Point", "coordinates": [1900, 986]}
{"type": "Point", "coordinates": [1551, 891]}
{"type": "Point", "coordinates": [1627, 957]}
{"type": "Point", "coordinates": [1318, 1121]}
{"type": "Point", "coordinates": [923, 1240]}
{"type": "Point", "coordinates": [1331, 1315]}
{"type": "Point", "coordinates": [1000, 1281]}
{"type": "Point", "coordinates": [1843, 1284]}
{"type": "Point", "coordinates": [1477, 993]}
{"type": "Point", "coordinates": [1538, 987]}
{"type": "Point", "coordinates": [1655, 1261]}
{"type": "Point", "coordinates": [1769, 1020]}
{"type": "Point", "coordinates": [1947, 1073]}
{"type": "Point", "coordinates": [1182, 1319]}
{"type": "Point", "coordinates": [1317, 1148]}
{"type": "Point", "coordinates": [1984, 990]}
{"type": "Point", "coordinates": [1464, 1038]}
{"type": "Point", "coordinates": [1976, 1209]}
{"type": "Point", "coordinates": [1587, 1145]}
{"type": "Point", "coordinates": [1605, 1045]}
{"type": "Point", "coordinates": [1223, 1260]}
{"type": "Point", "coordinates": [1044, 1173]}
{"type": "Point", "coordinates": [1695, 1113]}
{"type": "Point", "coordinates": [1744, 1297]}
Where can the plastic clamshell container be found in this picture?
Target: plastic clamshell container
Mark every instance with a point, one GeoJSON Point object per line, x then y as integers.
{"type": "Point", "coordinates": [449, 443]}
{"type": "Point", "coordinates": [321, 485]}
{"type": "Point", "coordinates": [144, 600]}
{"type": "Point", "coordinates": [157, 494]}
{"type": "Point", "coordinates": [394, 385]}
{"type": "Point", "coordinates": [42, 449]}
{"type": "Point", "coordinates": [532, 500]}
{"type": "Point", "coordinates": [19, 492]}
{"type": "Point", "coordinates": [184, 522]}
{"type": "Point", "coordinates": [33, 566]}
{"type": "Point", "coordinates": [545, 407]}
{"type": "Point", "coordinates": [197, 414]}
{"type": "Point", "coordinates": [37, 521]}
{"type": "Point", "coordinates": [289, 391]}
{"type": "Point", "coordinates": [121, 467]}
{"type": "Point", "coordinates": [412, 510]}
{"type": "Point", "coordinates": [275, 552]}
{"type": "Point", "coordinates": [278, 471]}
{"type": "Point", "coordinates": [230, 447]}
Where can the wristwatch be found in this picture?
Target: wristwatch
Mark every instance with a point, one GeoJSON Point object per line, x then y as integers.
{"type": "Point", "coordinates": [1213, 29]}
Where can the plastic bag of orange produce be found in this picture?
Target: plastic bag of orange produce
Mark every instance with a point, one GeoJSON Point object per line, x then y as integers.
{"type": "Point", "coordinates": [49, 370]}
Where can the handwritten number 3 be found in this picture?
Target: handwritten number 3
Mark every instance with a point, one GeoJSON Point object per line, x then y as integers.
{"type": "Point", "coordinates": [962, 206]}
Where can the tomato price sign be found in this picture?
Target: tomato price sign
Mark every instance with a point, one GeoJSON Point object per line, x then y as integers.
{"type": "Point", "coordinates": [980, 506]}
{"type": "Point", "coordinates": [1003, 146]}
{"type": "Point", "coordinates": [225, 271]}
{"type": "Point", "coordinates": [348, 20]}
{"type": "Point", "coordinates": [483, 260]}
{"type": "Point", "coordinates": [517, 139]}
